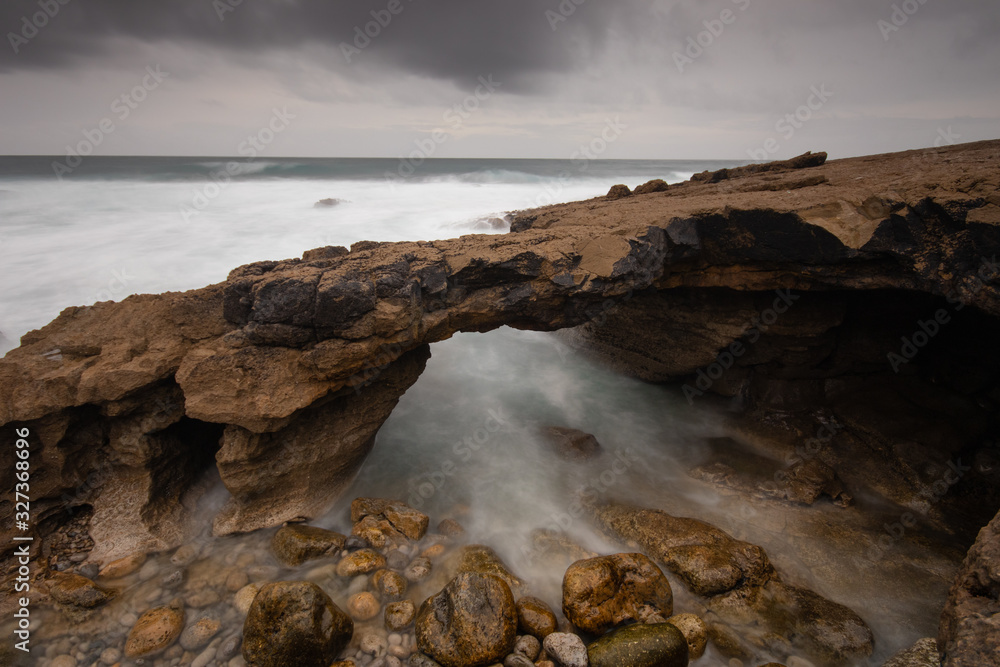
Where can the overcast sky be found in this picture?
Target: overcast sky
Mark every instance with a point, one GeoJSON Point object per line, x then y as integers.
{"type": "Point", "coordinates": [879, 78]}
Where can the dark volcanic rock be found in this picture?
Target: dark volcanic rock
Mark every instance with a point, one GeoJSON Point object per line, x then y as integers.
{"type": "Point", "coordinates": [294, 623]}
{"type": "Point", "coordinates": [607, 591]}
{"type": "Point", "coordinates": [471, 623]}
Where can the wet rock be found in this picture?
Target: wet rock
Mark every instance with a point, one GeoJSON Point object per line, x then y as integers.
{"type": "Point", "coordinates": [229, 648]}
{"type": "Point", "coordinates": [363, 606]}
{"type": "Point", "coordinates": [373, 645]}
{"type": "Point", "coordinates": [421, 660]}
{"type": "Point", "coordinates": [294, 623]}
{"type": "Point", "coordinates": [154, 632]}
{"type": "Point", "coordinates": [397, 560]}
{"type": "Point", "coordinates": [329, 202]}
{"type": "Point", "coordinates": [618, 192]}
{"type": "Point", "coordinates": [76, 591]}
{"type": "Point", "coordinates": [185, 555]}
{"type": "Point", "coordinates": [535, 618]}
{"type": "Point", "coordinates": [517, 660]}
{"type": "Point", "coordinates": [172, 580]}
{"type": "Point", "coordinates": [198, 634]}
{"type": "Point", "coordinates": [295, 544]}
{"type": "Point", "coordinates": [110, 655]}
{"type": "Point", "coordinates": [970, 623]}
{"type": "Point", "coordinates": [657, 645]}
{"type": "Point", "coordinates": [480, 559]}
{"type": "Point", "coordinates": [363, 561]}
{"type": "Point", "coordinates": [607, 591]}
{"type": "Point", "coordinates": [566, 649]}
{"type": "Point", "coordinates": [922, 654]}
{"type": "Point", "coordinates": [571, 444]}
{"type": "Point", "coordinates": [236, 580]}
{"type": "Point", "coordinates": [707, 559]}
{"type": "Point", "coordinates": [391, 585]}
{"type": "Point", "coordinates": [203, 598]}
{"type": "Point", "coordinates": [695, 633]}
{"type": "Point", "coordinates": [399, 615]}
{"type": "Point", "coordinates": [401, 517]}
{"type": "Point", "coordinates": [450, 527]}
{"type": "Point", "coordinates": [472, 622]}
{"type": "Point", "coordinates": [418, 570]}
{"type": "Point", "coordinates": [123, 566]}
{"type": "Point", "coordinates": [63, 661]}
{"type": "Point", "coordinates": [528, 646]}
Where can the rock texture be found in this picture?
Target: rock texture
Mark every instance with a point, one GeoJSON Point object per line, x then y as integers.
{"type": "Point", "coordinates": [605, 592]}
{"type": "Point", "coordinates": [263, 378]}
{"type": "Point", "coordinates": [294, 623]}
{"type": "Point", "coordinates": [471, 623]}
{"type": "Point", "coordinates": [970, 625]}
{"type": "Point", "coordinates": [743, 590]}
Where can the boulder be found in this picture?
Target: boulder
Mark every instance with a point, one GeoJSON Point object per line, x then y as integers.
{"type": "Point", "coordinates": [471, 623]}
{"type": "Point", "coordinates": [400, 516]}
{"type": "Point", "coordinates": [655, 645]}
{"type": "Point", "coordinates": [924, 653]}
{"type": "Point", "coordinates": [649, 187]}
{"type": "Point", "coordinates": [618, 192]}
{"type": "Point", "coordinates": [604, 592]}
{"type": "Point", "coordinates": [294, 623]}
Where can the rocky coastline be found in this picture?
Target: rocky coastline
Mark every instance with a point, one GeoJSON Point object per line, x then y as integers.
{"type": "Point", "coordinates": [850, 308]}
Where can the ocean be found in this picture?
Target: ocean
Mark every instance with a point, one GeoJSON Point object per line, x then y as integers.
{"type": "Point", "coordinates": [115, 226]}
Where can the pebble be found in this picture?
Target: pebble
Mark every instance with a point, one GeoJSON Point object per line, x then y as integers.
{"type": "Point", "coordinates": [128, 620]}
{"type": "Point", "coordinates": [363, 606]}
{"type": "Point", "coordinates": [567, 649]}
{"type": "Point", "coordinates": [230, 647]}
{"type": "Point", "coordinates": [397, 560]}
{"type": "Point", "coordinates": [395, 639]}
{"type": "Point", "coordinates": [200, 633]}
{"type": "Point", "coordinates": [201, 599]}
{"type": "Point", "coordinates": [172, 580]}
{"type": "Point", "coordinates": [184, 555]}
{"type": "Point", "coordinates": [236, 580]}
{"type": "Point", "coordinates": [374, 645]}
{"type": "Point", "coordinates": [238, 661]}
{"type": "Point", "coordinates": [110, 656]}
{"type": "Point", "coordinates": [149, 570]}
{"type": "Point", "coordinates": [89, 570]}
{"type": "Point", "coordinates": [244, 598]}
{"type": "Point", "coordinates": [205, 657]}
{"type": "Point", "coordinates": [399, 615]}
{"type": "Point", "coordinates": [517, 660]}
{"type": "Point", "coordinates": [63, 661]}
{"type": "Point", "coordinates": [528, 646]}
{"type": "Point", "coordinates": [418, 570]}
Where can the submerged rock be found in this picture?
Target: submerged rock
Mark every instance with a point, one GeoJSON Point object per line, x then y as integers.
{"type": "Point", "coordinates": [607, 591]}
{"type": "Point", "coordinates": [695, 633]}
{"type": "Point", "coordinates": [295, 544]}
{"type": "Point", "coordinates": [76, 591]}
{"type": "Point", "coordinates": [154, 632]}
{"type": "Point", "coordinates": [922, 654]}
{"type": "Point", "coordinates": [471, 623]}
{"type": "Point", "coordinates": [294, 623]}
{"type": "Point", "coordinates": [401, 518]}
{"type": "Point", "coordinates": [479, 559]}
{"type": "Point", "coordinates": [399, 615]}
{"type": "Point", "coordinates": [572, 444]}
{"type": "Point", "coordinates": [656, 645]}
{"type": "Point", "coordinates": [746, 594]}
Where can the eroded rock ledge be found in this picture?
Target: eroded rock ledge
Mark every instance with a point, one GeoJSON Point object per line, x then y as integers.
{"type": "Point", "coordinates": [294, 364]}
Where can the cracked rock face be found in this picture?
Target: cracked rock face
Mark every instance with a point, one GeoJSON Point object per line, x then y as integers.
{"type": "Point", "coordinates": [293, 365]}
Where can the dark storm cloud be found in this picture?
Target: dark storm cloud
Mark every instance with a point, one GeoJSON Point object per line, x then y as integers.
{"type": "Point", "coordinates": [452, 39]}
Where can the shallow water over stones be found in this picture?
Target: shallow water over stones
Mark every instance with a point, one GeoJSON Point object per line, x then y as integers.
{"type": "Point", "coordinates": [467, 446]}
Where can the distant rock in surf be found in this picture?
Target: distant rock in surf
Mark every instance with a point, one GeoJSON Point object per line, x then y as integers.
{"type": "Point", "coordinates": [328, 202]}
